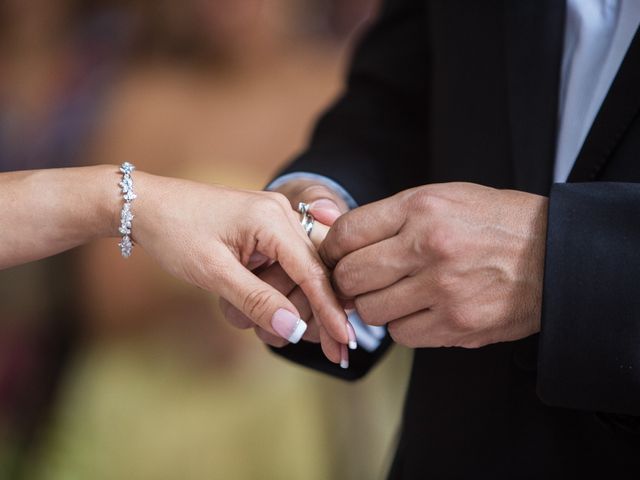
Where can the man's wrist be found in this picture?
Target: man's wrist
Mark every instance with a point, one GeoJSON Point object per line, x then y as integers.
{"type": "Point", "coordinates": [293, 184]}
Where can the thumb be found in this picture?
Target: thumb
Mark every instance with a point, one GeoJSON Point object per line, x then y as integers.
{"type": "Point", "coordinates": [259, 301]}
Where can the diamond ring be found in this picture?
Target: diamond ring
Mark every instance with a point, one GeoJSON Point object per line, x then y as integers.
{"type": "Point", "coordinates": [306, 219]}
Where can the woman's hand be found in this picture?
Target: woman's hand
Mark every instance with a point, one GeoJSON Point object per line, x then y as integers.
{"type": "Point", "coordinates": [208, 235]}
{"type": "Point", "coordinates": [326, 207]}
{"type": "Point", "coordinates": [277, 277]}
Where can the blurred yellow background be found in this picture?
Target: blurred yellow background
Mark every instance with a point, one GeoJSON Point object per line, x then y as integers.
{"type": "Point", "coordinates": [112, 369]}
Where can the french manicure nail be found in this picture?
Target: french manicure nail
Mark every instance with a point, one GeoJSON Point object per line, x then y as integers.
{"type": "Point", "coordinates": [344, 357]}
{"type": "Point", "coordinates": [353, 341]}
{"type": "Point", "coordinates": [288, 325]}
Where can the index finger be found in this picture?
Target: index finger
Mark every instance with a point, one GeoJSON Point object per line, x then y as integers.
{"type": "Point", "coordinates": [361, 227]}
{"type": "Point", "coordinates": [300, 260]}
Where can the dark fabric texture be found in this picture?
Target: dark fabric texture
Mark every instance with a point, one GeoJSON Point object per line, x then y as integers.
{"type": "Point", "coordinates": [590, 340]}
{"type": "Point", "coordinates": [467, 90]}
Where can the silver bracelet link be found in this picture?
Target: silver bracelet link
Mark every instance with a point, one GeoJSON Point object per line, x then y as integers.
{"type": "Point", "coordinates": [126, 215]}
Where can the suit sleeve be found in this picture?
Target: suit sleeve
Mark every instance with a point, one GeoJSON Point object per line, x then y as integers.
{"type": "Point", "coordinates": [589, 351]}
{"type": "Point", "coordinates": [371, 136]}
{"type": "Point", "coordinates": [375, 132]}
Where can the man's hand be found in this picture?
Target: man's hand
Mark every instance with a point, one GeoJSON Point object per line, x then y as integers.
{"type": "Point", "coordinates": [453, 264]}
{"type": "Point", "coordinates": [326, 207]}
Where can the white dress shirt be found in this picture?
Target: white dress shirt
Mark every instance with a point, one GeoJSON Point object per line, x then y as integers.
{"type": "Point", "coordinates": [597, 36]}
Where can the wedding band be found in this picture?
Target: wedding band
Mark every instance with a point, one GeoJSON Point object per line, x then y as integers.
{"type": "Point", "coordinates": [307, 219]}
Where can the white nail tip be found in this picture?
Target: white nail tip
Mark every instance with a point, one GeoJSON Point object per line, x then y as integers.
{"type": "Point", "coordinates": [353, 344]}
{"type": "Point", "coordinates": [298, 332]}
{"type": "Point", "coordinates": [344, 364]}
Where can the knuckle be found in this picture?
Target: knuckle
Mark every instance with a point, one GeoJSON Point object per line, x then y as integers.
{"type": "Point", "coordinates": [440, 244]}
{"type": "Point", "coordinates": [279, 199]}
{"type": "Point", "coordinates": [443, 282]}
{"type": "Point", "coordinates": [256, 303]}
{"type": "Point", "coordinates": [339, 232]}
{"type": "Point", "coordinates": [317, 271]}
{"type": "Point", "coordinates": [314, 275]}
{"type": "Point", "coordinates": [345, 278]}
{"type": "Point", "coordinates": [335, 244]}
{"type": "Point", "coordinates": [422, 201]}
{"type": "Point", "coordinates": [268, 205]}
{"type": "Point", "coordinates": [367, 311]}
{"type": "Point", "coordinates": [433, 239]}
{"type": "Point", "coordinates": [461, 321]}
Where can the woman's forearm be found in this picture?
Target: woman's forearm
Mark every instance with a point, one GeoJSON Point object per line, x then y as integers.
{"type": "Point", "coordinates": [203, 234]}
{"type": "Point", "coordinates": [44, 212]}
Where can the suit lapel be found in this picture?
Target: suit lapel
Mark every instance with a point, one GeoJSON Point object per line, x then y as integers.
{"type": "Point", "coordinates": [619, 108]}
{"type": "Point", "coordinates": [534, 42]}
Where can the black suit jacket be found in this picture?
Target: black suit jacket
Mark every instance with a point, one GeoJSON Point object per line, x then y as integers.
{"type": "Point", "coordinates": [467, 90]}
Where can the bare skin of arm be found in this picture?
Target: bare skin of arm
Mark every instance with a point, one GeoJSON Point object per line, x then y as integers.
{"type": "Point", "coordinates": [203, 234]}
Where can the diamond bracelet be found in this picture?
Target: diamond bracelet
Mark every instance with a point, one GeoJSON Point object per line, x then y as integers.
{"type": "Point", "coordinates": [126, 215]}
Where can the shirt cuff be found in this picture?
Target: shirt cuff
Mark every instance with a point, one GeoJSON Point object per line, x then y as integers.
{"type": "Point", "coordinates": [329, 183]}
{"type": "Point", "coordinates": [369, 337]}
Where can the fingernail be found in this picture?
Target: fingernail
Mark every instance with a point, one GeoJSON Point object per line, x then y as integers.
{"type": "Point", "coordinates": [288, 325]}
{"type": "Point", "coordinates": [344, 357]}
{"type": "Point", "coordinates": [353, 341]}
{"type": "Point", "coordinates": [325, 211]}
